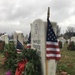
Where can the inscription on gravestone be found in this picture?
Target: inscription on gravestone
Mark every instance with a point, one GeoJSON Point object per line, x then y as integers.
{"type": "Point", "coordinates": [36, 45]}
{"type": "Point", "coordinates": [36, 28]}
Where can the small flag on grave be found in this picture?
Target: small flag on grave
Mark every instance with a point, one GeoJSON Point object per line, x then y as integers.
{"type": "Point", "coordinates": [29, 41]}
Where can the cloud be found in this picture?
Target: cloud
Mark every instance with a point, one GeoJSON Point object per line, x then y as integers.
{"type": "Point", "coordinates": [62, 9]}
{"type": "Point", "coordinates": [18, 14]}
{"type": "Point", "coordinates": [21, 8]}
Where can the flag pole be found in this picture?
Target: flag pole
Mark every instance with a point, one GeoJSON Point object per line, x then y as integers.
{"type": "Point", "coordinates": [48, 15]}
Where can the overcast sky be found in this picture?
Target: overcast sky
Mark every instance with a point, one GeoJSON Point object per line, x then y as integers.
{"type": "Point", "coordinates": [18, 14]}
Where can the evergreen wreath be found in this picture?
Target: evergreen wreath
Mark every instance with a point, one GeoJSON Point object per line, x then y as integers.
{"type": "Point", "coordinates": [10, 55]}
{"type": "Point", "coordinates": [33, 66]}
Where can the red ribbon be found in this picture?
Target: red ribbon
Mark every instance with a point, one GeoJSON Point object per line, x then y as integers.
{"type": "Point", "coordinates": [21, 67]}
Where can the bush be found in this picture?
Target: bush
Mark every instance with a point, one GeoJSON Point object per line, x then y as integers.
{"type": "Point", "coordinates": [66, 68]}
{"type": "Point", "coordinates": [60, 44]}
{"type": "Point", "coordinates": [10, 56]}
{"type": "Point", "coordinates": [71, 46]}
{"type": "Point", "coordinates": [2, 44]}
{"type": "Point", "coordinates": [33, 66]}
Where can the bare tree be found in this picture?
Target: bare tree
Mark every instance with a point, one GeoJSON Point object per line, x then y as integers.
{"type": "Point", "coordinates": [70, 32]}
{"type": "Point", "coordinates": [58, 30]}
{"type": "Point", "coordinates": [70, 29]}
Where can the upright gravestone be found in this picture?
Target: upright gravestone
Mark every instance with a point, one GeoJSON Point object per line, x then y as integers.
{"type": "Point", "coordinates": [73, 39]}
{"type": "Point", "coordinates": [6, 38]}
{"type": "Point", "coordinates": [18, 35]}
{"type": "Point", "coordinates": [62, 40]}
{"type": "Point", "coordinates": [38, 41]}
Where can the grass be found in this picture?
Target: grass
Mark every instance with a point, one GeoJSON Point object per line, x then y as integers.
{"type": "Point", "coordinates": [2, 71]}
{"type": "Point", "coordinates": [67, 62]}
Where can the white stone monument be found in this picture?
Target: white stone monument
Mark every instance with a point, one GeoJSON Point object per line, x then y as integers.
{"type": "Point", "coordinates": [4, 38]}
{"type": "Point", "coordinates": [61, 39]}
{"type": "Point", "coordinates": [73, 39]}
{"type": "Point", "coordinates": [68, 40]}
{"type": "Point", "coordinates": [18, 35]}
{"type": "Point", "coordinates": [38, 41]}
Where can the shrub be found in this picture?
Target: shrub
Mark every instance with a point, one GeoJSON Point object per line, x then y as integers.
{"type": "Point", "coordinates": [10, 56]}
{"type": "Point", "coordinates": [2, 44]}
{"type": "Point", "coordinates": [33, 66]}
{"type": "Point", "coordinates": [71, 46]}
{"type": "Point", "coordinates": [60, 44]}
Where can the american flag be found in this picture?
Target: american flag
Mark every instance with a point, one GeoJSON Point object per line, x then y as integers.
{"type": "Point", "coordinates": [19, 47]}
{"type": "Point", "coordinates": [52, 46]}
{"type": "Point", "coordinates": [29, 41]}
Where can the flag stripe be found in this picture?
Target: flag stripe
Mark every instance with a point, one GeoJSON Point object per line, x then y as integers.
{"type": "Point", "coordinates": [53, 55]}
{"type": "Point", "coordinates": [52, 46]}
{"type": "Point", "coordinates": [52, 49]}
{"type": "Point", "coordinates": [18, 50]}
{"type": "Point", "coordinates": [52, 43]}
{"type": "Point", "coordinates": [56, 58]}
{"type": "Point", "coordinates": [28, 45]}
{"type": "Point", "coordinates": [53, 52]}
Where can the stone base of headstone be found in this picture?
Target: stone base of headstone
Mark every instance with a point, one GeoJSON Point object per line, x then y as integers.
{"type": "Point", "coordinates": [52, 67]}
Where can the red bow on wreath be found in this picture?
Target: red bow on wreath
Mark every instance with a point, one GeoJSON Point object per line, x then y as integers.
{"type": "Point", "coordinates": [21, 67]}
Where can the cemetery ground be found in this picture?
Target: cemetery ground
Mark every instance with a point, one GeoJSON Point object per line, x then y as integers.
{"type": "Point", "coordinates": [65, 64]}
{"type": "Point", "coordinates": [2, 71]}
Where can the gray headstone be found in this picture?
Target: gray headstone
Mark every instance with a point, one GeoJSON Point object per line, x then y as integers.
{"type": "Point", "coordinates": [73, 38]}
{"type": "Point", "coordinates": [6, 38]}
{"type": "Point", "coordinates": [18, 35]}
{"type": "Point", "coordinates": [38, 41]}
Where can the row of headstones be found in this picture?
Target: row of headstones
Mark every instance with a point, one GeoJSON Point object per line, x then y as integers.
{"type": "Point", "coordinates": [16, 35]}
{"type": "Point", "coordinates": [4, 38]}
{"type": "Point", "coordinates": [63, 41]}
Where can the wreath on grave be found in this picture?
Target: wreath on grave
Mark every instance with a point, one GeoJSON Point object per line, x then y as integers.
{"type": "Point", "coordinates": [10, 56]}
{"type": "Point", "coordinates": [33, 65]}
